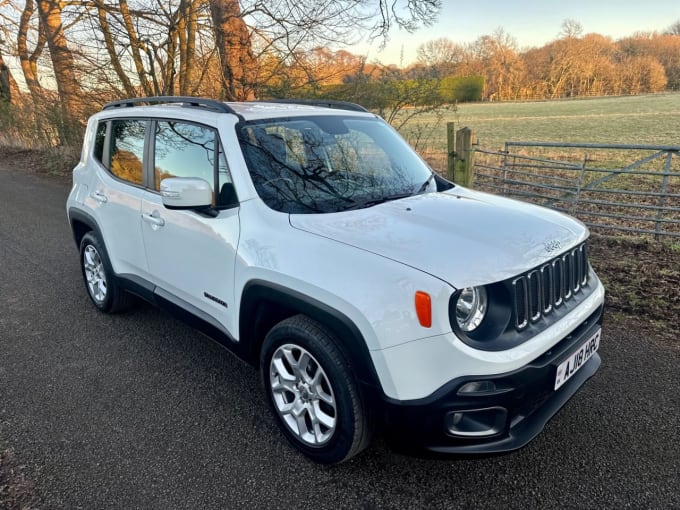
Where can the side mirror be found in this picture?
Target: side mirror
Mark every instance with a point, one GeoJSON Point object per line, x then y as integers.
{"type": "Point", "coordinates": [186, 193]}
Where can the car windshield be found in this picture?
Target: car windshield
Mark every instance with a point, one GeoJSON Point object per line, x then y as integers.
{"type": "Point", "coordinates": [330, 163]}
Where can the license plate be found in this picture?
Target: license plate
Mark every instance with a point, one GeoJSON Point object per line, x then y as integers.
{"type": "Point", "coordinates": [573, 363]}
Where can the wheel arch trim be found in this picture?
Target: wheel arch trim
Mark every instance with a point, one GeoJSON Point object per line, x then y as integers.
{"type": "Point", "coordinates": [77, 216]}
{"type": "Point", "coordinates": [352, 343]}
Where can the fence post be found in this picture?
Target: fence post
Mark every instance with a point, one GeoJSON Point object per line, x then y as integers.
{"type": "Point", "coordinates": [450, 151]}
{"type": "Point", "coordinates": [464, 156]}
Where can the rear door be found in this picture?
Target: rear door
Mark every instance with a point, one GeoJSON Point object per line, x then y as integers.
{"type": "Point", "coordinates": [116, 192]}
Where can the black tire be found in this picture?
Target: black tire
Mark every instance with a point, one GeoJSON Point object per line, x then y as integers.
{"type": "Point", "coordinates": [106, 295]}
{"type": "Point", "coordinates": [352, 429]}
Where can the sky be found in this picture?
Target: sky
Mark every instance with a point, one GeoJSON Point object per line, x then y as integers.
{"type": "Point", "coordinates": [531, 23]}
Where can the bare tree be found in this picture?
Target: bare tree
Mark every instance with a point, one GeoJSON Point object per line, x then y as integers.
{"type": "Point", "coordinates": [571, 29]}
{"type": "Point", "coordinates": [443, 55]}
{"type": "Point", "coordinates": [674, 29]}
{"type": "Point", "coordinates": [8, 87]}
{"type": "Point", "coordinates": [29, 59]}
{"type": "Point", "coordinates": [233, 44]}
{"type": "Point", "coordinates": [70, 93]}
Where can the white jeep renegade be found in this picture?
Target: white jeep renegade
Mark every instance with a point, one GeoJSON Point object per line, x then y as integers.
{"type": "Point", "coordinates": [314, 243]}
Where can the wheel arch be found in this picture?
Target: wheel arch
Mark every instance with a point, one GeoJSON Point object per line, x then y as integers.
{"type": "Point", "coordinates": [265, 304]}
{"type": "Point", "coordinates": [82, 223]}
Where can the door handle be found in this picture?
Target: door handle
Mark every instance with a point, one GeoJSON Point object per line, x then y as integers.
{"type": "Point", "coordinates": [154, 218]}
{"type": "Point", "coordinates": [99, 197]}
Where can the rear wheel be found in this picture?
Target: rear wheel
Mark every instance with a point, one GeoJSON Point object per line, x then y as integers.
{"type": "Point", "coordinates": [100, 281]}
{"type": "Point", "coordinates": [313, 391]}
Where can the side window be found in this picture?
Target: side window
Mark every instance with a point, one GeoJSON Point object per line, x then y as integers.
{"type": "Point", "coordinates": [99, 138]}
{"type": "Point", "coordinates": [188, 150]}
{"type": "Point", "coordinates": [127, 149]}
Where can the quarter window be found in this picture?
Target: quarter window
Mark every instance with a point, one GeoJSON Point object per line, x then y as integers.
{"type": "Point", "coordinates": [99, 138]}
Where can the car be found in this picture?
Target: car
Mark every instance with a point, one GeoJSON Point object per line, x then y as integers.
{"type": "Point", "coordinates": [372, 294]}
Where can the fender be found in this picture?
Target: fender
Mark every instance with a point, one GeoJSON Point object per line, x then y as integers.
{"type": "Point", "coordinates": [254, 323]}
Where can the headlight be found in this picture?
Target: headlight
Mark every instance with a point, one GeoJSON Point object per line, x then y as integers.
{"type": "Point", "coordinates": [471, 308]}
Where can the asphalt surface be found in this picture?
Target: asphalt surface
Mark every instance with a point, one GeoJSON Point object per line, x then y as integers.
{"type": "Point", "coordinates": [140, 411]}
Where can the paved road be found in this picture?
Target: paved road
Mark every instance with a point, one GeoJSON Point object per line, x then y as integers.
{"type": "Point", "coordinates": [139, 411]}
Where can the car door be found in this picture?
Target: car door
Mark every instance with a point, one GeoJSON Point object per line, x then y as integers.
{"type": "Point", "coordinates": [116, 192]}
{"type": "Point", "coordinates": [191, 255]}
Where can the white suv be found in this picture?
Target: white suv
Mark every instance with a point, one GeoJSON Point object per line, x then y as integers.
{"type": "Point", "coordinates": [314, 243]}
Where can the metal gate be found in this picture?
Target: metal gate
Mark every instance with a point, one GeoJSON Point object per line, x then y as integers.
{"type": "Point", "coordinates": [630, 188]}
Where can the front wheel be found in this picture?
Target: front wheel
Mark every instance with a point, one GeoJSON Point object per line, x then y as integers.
{"type": "Point", "coordinates": [313, 392]}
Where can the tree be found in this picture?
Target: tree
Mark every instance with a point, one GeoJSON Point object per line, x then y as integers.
{"type": "Point", "coordinates": [571, 29]}
{"type": "Point", "coordinates": [234, 46]}
{"type": "Point", "coordinates": [442, 55]}
{"type": "Point", "coordinates": [673, 29]}
{"type": "Point", "coordinates": [495, 57]}
{"type": "Point", "coordinates": [8, 86]}
{"type": "Point", "coordinates": [664, 48]}
{"type": "Point", "coordinates": [29, 60]}
{"type": "Point", "coordinates": [70, 93]}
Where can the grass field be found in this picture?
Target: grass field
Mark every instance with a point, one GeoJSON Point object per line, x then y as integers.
{"type": "Point", "coordinates": [650, 119]}
{"type": "Point", "coordinates": [637, 120]}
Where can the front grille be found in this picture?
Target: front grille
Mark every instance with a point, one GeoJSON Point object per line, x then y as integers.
{"type": "Point", "coordinates": [540, 291]}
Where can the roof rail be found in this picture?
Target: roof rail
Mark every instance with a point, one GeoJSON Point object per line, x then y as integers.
{"type": "Point", "coordinates": [326, 103]}
{"type": "Point", "coordinates": [193, 102]}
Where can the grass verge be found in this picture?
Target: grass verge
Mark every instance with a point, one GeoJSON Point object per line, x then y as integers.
{"type": "Point", "coordinates": [642, 280]}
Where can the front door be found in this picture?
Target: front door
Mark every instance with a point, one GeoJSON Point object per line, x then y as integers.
{"type": "Point", "coordinates": [191, 255]}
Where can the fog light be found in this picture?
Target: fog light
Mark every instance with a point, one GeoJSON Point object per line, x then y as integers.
{"type": "Point", "coordinates": [477, 422]}
{"type": "Point", "coordinates": [476, 387]}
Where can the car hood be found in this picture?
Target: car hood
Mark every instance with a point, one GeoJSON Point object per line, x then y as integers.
{"type": "Point", "coordinates": [461, 236]}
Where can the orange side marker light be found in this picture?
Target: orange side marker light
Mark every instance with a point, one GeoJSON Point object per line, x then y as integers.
{"type": "Point", "coordinates": [424, 308]}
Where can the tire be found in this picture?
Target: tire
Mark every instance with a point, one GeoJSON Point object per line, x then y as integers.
{"type": "Point", "coordinates": [100, 281]}
{"type": "Point", "coordinates": [312, 391]}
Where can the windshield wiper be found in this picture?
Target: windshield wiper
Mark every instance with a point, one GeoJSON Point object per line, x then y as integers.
{"type": "Point", "coordinates": [424, 186]}
{"type": "Point", "coordinates": [375, 201]}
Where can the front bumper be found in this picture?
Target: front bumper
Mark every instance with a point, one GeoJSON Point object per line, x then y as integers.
{"type": "Point", "coordinates": [509, 415]}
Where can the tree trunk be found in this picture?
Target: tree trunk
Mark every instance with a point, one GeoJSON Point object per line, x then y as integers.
{"type": "Point", "coordinates": [8, 87]}
{"type": "Point", "coordinates": [111, 49]}
{"type": "Point", "coordinates": [233, 44]}
{"type": "Point", "coordinates": [135, 47]}
{"type": "Point", "coordinates": [70, 93]}
{"type": "Point", "coordinates": [187, 27]}
{"type": "Point", "coordinates": [29, 65]}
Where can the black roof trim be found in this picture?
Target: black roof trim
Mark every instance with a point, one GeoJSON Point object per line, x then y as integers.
{"type": "Point", "coordinates": [326, 103]}
{"type": "Point", "coordinates": [188, 101]}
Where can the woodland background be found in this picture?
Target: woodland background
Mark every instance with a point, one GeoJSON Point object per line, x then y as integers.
{"type": "Point", "coordinates": [60, 60]}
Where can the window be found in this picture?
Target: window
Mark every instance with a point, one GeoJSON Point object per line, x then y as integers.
{"type": "Point", "coordinates": [184, 150]}
{"type": "Point", "coordinates": [188, 150]}
{"type": "Point", "coordinates": [99, 138]}
{"type": "Point", "coordinates": [127, 149]}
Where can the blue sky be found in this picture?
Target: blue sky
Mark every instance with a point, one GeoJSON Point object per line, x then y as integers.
{"type": "Point", "coordinates": [531, 23]}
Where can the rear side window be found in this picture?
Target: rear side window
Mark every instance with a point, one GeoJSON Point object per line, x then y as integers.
{"type": "Point", "coordinates": [127, 149]}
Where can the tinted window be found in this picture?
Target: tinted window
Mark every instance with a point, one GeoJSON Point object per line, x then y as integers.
{"type": "Point", "coordinates": [127, 149]}
{"type": "Point", "coordinates": [99, 138]}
